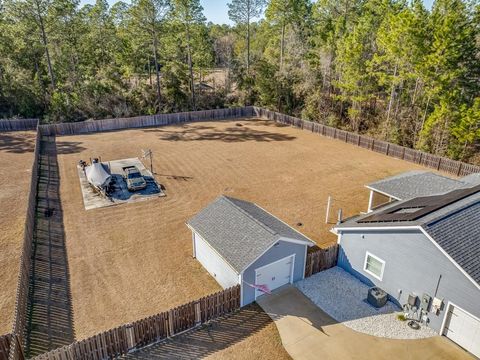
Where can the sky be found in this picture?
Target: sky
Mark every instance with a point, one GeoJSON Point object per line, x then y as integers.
{"type": "Point", "coordinates": [216, 11]}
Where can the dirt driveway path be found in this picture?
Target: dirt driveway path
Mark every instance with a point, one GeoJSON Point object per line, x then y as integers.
{"type": "Point", "coordinates": [309, 333]}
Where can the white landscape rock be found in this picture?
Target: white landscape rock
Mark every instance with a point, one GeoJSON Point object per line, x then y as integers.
{"type": "Point", "coordinates": [344, 298]}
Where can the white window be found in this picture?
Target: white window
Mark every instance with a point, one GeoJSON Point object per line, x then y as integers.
{"type": "Point", "coordinates": [374, 266]}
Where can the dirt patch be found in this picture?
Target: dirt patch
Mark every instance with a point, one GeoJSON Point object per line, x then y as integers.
{"type": "Point", "coordinates": [16, 159]}
{"type": "Point", "coordinates": [134, 260]}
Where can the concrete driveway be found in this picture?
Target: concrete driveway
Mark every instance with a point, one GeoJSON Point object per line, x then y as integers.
{"type": "Point", "coordinates": [309, 333]}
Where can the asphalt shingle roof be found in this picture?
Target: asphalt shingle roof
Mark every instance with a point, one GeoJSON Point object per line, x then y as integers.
{"type": "Point", "coordinates": [240, 231]}
{"type": "Point", "coordinates": [413, 184]}
{"type": "Point", "coordinates": [459, 235]}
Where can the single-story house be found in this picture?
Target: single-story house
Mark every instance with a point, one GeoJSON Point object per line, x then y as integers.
{"type": "Point", "coordinates": [412, 184]}
{"type": "Point", "coordinates": [238, 242]}
{"type": "Point", "coordinates": [428, 247]}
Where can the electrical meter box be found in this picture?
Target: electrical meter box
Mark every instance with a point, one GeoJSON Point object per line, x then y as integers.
{"type": "Point", "coordinates": [426, 299]}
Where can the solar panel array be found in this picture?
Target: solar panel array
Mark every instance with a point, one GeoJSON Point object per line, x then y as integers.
{"type": "Point", "coordinates": [425, 205]}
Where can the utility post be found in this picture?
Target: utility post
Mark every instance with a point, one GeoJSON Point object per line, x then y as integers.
{"type": "Point", "coordinates": [329, 204]}
{"type": "Point", "coordinates": [148, 153]}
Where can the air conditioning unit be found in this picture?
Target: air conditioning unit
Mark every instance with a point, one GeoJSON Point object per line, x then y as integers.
{"type": "Point", "coordinates": [377, 297]}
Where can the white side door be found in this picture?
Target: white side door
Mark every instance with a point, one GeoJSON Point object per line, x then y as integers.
{"type": "Point", "coordinates": [464, 329]}
{"type": "Point", "coordinates": [275, 274]}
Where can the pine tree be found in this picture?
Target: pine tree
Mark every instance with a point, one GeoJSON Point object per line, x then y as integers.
{"type": "Point", "coordinates": [147, 18]}
{"type": "Point", "coordinates": [397, 67]}
{"type": "Point", "coordinates": [189, 16]}
{"type": "Point", "coordinates": [243, 12]}
{"type": "Point", "coordinates": [32, 14]}
{"type": "Point", "coordinates": [282, 13]}
{"type": "Point", "coordinates": [451, 70]}
{"type": "Point", "coordinates": [466, 131]}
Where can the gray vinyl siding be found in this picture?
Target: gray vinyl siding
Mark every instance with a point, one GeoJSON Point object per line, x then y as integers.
{"type": "Point", "coordinates": [413, 264]}
{"type": "Point", "coordinates": [277, 252]}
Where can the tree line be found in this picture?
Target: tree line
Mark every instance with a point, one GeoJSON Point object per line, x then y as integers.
{"type": "Point", "coordinates": [391, 69]}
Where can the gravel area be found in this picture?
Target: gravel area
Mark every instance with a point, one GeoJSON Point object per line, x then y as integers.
{"type": "Point", "coordinates": [344, 298]}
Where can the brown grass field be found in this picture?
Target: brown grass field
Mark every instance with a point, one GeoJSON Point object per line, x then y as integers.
{"type": "Point", "coordinates": [133, 260]}
{"type": "Point", "coordinates": [16, 159]}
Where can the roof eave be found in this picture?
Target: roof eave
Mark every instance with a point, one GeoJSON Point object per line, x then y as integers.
{"type": "Point", "coordinates": [370, 187]}
{"type": "Point", "coordinates": [338, 229]}
{"type": "Point", "coordinates": [309, 243]}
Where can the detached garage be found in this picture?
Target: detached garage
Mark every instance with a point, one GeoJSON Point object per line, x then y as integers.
{"type": "Point", "coordinates": [238, 242]}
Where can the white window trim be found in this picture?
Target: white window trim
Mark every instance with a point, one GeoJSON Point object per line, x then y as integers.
{"type": "Point", "coordinates": [367, 254]}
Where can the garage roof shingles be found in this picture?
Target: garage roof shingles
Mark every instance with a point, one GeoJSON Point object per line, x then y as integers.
{"type": "Point", "coordinates": [240, 231]}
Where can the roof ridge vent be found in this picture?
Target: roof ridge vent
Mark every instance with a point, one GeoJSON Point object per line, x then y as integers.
{"type": "Point", "coordinates": [262, 224]}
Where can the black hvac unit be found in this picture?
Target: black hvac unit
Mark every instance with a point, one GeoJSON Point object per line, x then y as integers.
{"type": "Point", "coordinates": [377, 297]}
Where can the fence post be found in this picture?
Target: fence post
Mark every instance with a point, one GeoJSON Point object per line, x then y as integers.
{"type": "Point", "coordinates": [198, 313]}
{"type": "Point", "coordinates": [171, 328]}
{"type": "Point", "coordinates": [307, 265]}
{"type": "Point", "coordinates": [459, 168]}
{"type": "Point", "coordinates": [129, 333]}
{"type": "Point", "coordinates": [21, 355]}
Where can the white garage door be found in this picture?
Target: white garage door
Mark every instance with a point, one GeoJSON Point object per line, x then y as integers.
{"type": "Point", "coordinates": [464, 329]}
{"type": "Point", "coordinates": [275, 274]}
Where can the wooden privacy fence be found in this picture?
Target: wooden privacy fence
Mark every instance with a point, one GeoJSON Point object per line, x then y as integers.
{"type": "Point", "coordinates": [18, 124]}
{"type": "Point", "coordinates": [321, 259]}
{"type": "Point", "coordinates": [5, 342]}
{"type": "Point", "coordinates": [21, 301]}
{"type": "Point", "coordinates": [123, 339]}
{"type": "Point", "coordinates": [436, 162]}
{"type": "Point", "coordinates": [144, 121]}
{"type": "Point", "coordinates": [418, 157]}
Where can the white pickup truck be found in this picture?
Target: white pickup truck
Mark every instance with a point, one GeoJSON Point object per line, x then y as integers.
{"type": "Point", "coordinates": [134, 178]}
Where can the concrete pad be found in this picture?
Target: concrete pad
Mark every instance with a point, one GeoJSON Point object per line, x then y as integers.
{"type": "Point", "coordinates": [309, 333]}
{"type": "Point", "coordinates": [94, 200]}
